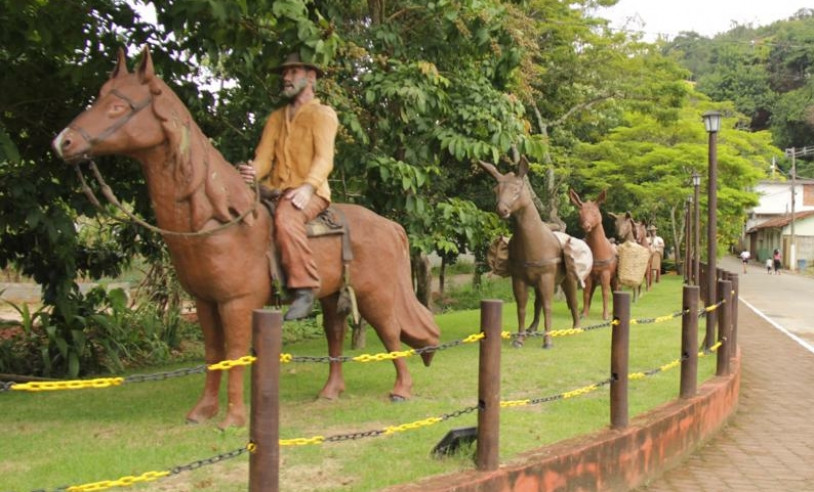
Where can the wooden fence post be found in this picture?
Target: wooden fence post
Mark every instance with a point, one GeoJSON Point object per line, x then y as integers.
{"type": "Point", "coordinates": [724, 327]}
{"type": "Point", "coordinates": [689, 343]}
{"type": "Point", "coordinates": [620, 348]}
{"type": "Point", "coordinates": [491, 316]}
{"type": "Point", "coordinates": [264, 461]}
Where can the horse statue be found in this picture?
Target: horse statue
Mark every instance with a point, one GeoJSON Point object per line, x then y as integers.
{"type": "Point", "coordinates": [605, 261]}
{"type": "Point", "coordinates": [628, 229]}
{"type": "Point", "coordinates": [535, 254]}
{"type": "Point", "coordinates": [219, 241]}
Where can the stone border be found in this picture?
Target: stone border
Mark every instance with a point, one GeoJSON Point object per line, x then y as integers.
{"type": "Point", "coordinates": [611, 459]}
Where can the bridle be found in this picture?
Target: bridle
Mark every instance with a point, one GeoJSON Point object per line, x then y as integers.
{"type": "Point", "coordinates": [120, 122]}
{"type": "Point", "coordinates": [107, 191]}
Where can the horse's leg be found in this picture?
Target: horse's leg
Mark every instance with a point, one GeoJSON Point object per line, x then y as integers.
{"type": "Point", "coordinates": [236, 324]}
{"type": "Point", "coordinates": [521, 297]}
{"type": "Point", "coordinates": [606, 293]}
{"type": "Point", "coordinates": [389, 331]}
{"type": "Point", "coordinates": [569, 287]}
{"type": "Point", "coordinates": [538, 305]}
{"type": "Point", "coordinates": [214, 351]}
{"type": "Point", "coordinates": [545, 288]}
{"type": "Point", "coordinates": [334, 327]}
{"type": "Point", "coordinates": [587, 293]}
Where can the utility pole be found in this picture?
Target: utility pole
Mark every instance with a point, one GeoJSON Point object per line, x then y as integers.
{"type": "Point", "coordinates": [792, 246]}
{"type": "Point", "coordinates": [793, 153]}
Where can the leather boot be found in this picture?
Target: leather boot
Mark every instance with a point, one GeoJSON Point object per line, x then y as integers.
{"type": "Point", "coordinates": [301, 305]}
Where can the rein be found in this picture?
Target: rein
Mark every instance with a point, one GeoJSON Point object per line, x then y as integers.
{"type": "Point", "coordinates": [108, 194]}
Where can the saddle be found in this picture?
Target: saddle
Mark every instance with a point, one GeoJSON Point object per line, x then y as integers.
{"type": "Point", "coordinates": [330, 221]}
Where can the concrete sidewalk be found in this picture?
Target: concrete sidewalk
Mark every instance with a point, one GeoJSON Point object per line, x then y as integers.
{"type": "Point", "coordinates": [769, 446]}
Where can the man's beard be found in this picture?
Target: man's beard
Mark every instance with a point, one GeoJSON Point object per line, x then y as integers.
{"type": "Point", "coordinates": [293, 90]}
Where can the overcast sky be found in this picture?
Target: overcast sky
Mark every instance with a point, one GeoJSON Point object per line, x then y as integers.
{"type": "Point", "coordinates": [706, 17]}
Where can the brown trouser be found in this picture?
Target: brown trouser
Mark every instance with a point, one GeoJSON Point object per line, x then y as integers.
{"type": "Point", "coordinates": [292, 239]}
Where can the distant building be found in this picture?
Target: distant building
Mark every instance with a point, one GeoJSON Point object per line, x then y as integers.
{"type": "Point", "coordinates": [769, 225]}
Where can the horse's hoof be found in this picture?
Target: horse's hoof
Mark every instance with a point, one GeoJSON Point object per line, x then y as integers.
{"type": "Point", "coordinates": [517, 343]}
{"type": "Point", "coordinates": [397, 399]}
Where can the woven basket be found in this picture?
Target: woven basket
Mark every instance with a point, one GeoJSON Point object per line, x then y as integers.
{"type": "Point", "coordinates": [633, 260]}
{"type": "Point", "coordinates": [656, 265]}
{"type": "Point", "coordinates": [498, 256]}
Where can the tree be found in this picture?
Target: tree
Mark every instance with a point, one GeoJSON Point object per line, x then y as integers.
{"type": "Point", "coordinates": [645, 166]}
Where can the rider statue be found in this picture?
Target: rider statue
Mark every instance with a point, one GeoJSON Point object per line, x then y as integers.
{"type": "Point", "coordinates": [295, 156]}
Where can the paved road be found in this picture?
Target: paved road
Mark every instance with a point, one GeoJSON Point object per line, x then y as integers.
{"type": "Point", "coordinates": [770, 444]}
{"type": "Point", "coordinates": [785, 299]}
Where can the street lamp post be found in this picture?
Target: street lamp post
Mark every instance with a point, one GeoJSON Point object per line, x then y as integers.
{"type": "Point", "coordinates": [712, 123]}
{"type": "Point", "coordinates": [696, 264]}
{"type": "Point", "coordinates": [688, 242]}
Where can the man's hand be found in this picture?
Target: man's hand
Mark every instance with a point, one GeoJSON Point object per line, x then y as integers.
{"type": "Point", "coordinates": [247, 172]}
{"type": "Point", "coordinates": [300, 196]}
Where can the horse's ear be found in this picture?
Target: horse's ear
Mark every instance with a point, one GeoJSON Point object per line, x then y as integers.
{"type": "Point", "coordinates": [613, 216]}
{"type": "Point", "coordinates": [121, 65]}
{"type": "Point", "coordinates": [574, 197]}
{"type": "Point", "coordinates": [628, 215]}
{"type": "Point", "coordinates": [491, 169]}
{"type": "Point", "coordinates": [600, 199]}
{"type": "Point", "coordinates": [145, 71]}
{"type": "Point", "coordinates": [523, 167]}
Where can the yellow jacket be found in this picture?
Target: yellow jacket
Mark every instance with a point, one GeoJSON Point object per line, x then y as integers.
{"type": "Point", "coordinates": [299, 151]}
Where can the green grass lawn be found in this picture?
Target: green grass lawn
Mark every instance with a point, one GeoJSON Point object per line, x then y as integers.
{"type": "Point", "coordinates": [55, 439]}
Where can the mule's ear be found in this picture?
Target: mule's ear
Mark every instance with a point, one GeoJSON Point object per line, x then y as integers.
{"type": "Point", "coordinates": [121, 65]}
{"type": "Point", "coordinates": [145, 71]}
{"type": "Point", "coordinates": [628, 215]}
{"type": "Point", "coordinates": [523, 167]}
{"type": "Point", "coordinates": [600, 199]}
{"type": "Point", "coordinates": [613, 215]}
{"type": "Point", "coordinates": [491, 169]}
{"type": "Point", "coordinates": [574, 197]}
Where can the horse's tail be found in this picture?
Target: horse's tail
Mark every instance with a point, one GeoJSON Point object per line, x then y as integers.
{"type": "Point", "coordinates": [418, 327]}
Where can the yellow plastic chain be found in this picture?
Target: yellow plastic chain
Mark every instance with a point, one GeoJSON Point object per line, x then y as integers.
{"type": "Point", "coordinates": [579, 391]}
{"type": "Point", "coordinates": [383, 356]}
{"type": "Point", "coordinates": [514, 403]}
{"type": "Point", "coordinates": [68, 385]}
{"type": "Point", "coordinates": [412, 425]}
{"type": "Point", "coordinates": [302, 441]}
{"type": "Point", "coordinates": [122, 482]}
{"type": "Point", "coordinates": [476, 337]}
{"type": "Point", "coordinates": [566, 332]}
{"type": "Point", "coordinates": [225, 365]}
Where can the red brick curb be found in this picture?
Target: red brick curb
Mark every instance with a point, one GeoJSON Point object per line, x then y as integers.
{"type": "Point", "coordinates": [610, 459]}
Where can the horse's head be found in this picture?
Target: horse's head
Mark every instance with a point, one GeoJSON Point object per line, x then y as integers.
{"type": "Point", "coordinates": [121, 120]}
{"type": "Point", "coordinates": [625, 226]}
{"type": "Point", "coordinates": [589, 215]}
{"type": "Point", "coordinates": [511, 192]}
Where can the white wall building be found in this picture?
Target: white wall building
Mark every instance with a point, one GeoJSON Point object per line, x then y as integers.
{"type": "Point", "coordinates": [769, 225]}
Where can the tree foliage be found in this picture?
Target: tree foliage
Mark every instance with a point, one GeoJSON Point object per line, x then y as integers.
{"type": "Point", "coordinates": [766, 71]}
{"type": "Point", "coordinates": [423, 90]}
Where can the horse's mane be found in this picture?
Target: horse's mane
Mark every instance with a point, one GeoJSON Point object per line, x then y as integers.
{"type": "Point", "coordinates": [196, 163]}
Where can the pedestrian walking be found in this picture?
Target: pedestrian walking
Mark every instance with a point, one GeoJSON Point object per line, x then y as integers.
{"type": "Point", "coordinates": [769, 265]}
{"type": "Point", "coordinates": [745, 255]}
{"type": "Point", "coordinates": [777, 257]}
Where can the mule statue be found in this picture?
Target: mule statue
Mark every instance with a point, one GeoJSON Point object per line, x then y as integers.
{"type": "Point", "coordinates": [535, 254]}
{"type": "Point", "coordinates": [628, 229]}
{"type": "Point", "coordinates": [603, 272]}
{"type": "Point", "coordinates": [219, 244]}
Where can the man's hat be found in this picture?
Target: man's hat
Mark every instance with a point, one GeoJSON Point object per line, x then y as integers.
{"type": "Point", "coordinates": [293, 60]}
